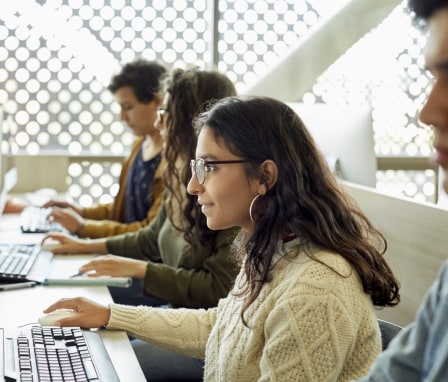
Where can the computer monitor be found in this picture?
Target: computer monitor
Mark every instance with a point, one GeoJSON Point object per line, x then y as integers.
{"type": "Point", "coordinates": [344, 133]}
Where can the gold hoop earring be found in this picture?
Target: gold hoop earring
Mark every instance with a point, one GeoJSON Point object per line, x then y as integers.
{"type": "Point", "coordinates": [251, 206]}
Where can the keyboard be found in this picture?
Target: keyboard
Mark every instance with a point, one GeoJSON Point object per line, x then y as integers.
{"type": "Point", "coordinates": [34, 353]}
{"type": "Point", "coordinates": [16, 261]}
{"type": "Point", "coordinates": [35, 220]}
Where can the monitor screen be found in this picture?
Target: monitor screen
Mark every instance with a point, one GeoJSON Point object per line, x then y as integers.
{"type": "Point", "coordinates": [345, 134]}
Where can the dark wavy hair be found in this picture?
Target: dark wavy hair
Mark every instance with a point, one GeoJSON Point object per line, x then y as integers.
{"type": "Point", "coordinates": [143, 76]}
{"type": "Point", "coordinates": [425, 9]}
{"type": "Point", "coordinates": [190, 90]}
{"type": "Point", "coordinates": [306, 201]}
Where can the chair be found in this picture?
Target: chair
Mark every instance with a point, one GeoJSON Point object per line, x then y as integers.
{"type": "Point", "coordinates": [388, 331]}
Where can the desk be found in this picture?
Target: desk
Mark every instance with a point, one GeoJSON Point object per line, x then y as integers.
{"type": "Point", "coordinates": [24, 306]}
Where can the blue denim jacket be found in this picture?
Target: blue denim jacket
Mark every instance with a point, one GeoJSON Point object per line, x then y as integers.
{"type": "Point", "coordinates": [420, 351]}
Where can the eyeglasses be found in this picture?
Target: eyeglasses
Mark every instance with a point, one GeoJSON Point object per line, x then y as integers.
{"type": "Point", "coordinates": [200, 166]}
{"type": "Point", "coordinates": [161, 112]}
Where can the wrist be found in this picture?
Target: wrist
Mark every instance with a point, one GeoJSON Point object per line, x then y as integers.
{"type": "Point", "coordinates": [79, 229]}
{"type": "Point", "coordinates": [142, 270]}
{"type": "Point", "coordinates": [108, 313]}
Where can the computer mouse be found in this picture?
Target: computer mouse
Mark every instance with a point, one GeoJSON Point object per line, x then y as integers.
{"type": "Point", "coordinates": [51, 318]}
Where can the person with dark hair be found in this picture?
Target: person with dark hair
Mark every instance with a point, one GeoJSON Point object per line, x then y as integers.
{"type": "Point", "coordinates": [312, 265]}
{"type": "Point", "coordinates": [180, 260]}
{"type": "Point", "coordinates": [419, 352]}
{"type": "Point", "coordinates": [137, 89]}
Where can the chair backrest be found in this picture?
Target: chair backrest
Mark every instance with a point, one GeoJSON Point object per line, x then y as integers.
{"type": "Point", "coordinates": [408, 226]}
{"type": "Point", "coordinates": [388, 331]}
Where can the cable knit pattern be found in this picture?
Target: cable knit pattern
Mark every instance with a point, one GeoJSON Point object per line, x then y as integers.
{"type": "Point", "coordinates": [308, 324]}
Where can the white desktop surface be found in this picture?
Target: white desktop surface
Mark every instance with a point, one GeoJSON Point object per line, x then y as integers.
{"type": "Point", "coordinates": [24, 306]}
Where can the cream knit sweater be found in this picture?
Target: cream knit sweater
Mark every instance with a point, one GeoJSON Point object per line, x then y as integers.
{"type": "Point", "coordinates": [308, 324]}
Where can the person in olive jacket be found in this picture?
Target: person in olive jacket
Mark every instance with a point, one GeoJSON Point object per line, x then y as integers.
{"type": "Point", "coordinates": [180, 260]}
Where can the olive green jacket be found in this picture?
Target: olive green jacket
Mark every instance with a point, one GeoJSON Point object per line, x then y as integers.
{"type": "Point", "coordinates": [194, 276]}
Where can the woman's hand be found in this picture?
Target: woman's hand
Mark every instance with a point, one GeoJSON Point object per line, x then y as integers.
{"type": "Point", "coordinates": [68, 218]}
{"type": "Point", "coordinates": [62, 204]}
{"type": "Point", "coordinates": [86, 313]}
{"type": "Point", "coordinates": [14, 206]}
{"type": "Point", "coordinates": [64, 243]}
{"type": "Point", "coordinates": [117, 266]}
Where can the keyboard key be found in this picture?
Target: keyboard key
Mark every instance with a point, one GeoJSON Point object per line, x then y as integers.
{"type": "Point", "coordinates": [35, 220]}
{"type": "Point", "coordinates": [59, 354]}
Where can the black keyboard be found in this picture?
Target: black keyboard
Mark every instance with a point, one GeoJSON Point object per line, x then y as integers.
{"type": "Point", "coordinates": [35, 220]}
{"type": "Point", "coordinates": [39, 354]}
{"type": "Point", "coordinates": [16, 261]}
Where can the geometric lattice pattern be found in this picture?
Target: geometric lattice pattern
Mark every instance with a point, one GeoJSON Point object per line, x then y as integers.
{"type": "Point", "coordinates": [59, 55]}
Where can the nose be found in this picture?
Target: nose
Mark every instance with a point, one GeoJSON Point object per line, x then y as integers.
{"type": "Point", "coordinates": [435, 110]}
{"type": "Point", "coordinates": [123, 115]}
{"type": "Point", "coordinates": [193, 186]}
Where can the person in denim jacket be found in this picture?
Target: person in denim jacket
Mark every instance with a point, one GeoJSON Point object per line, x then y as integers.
{"type": "Point", "coordinates": [420, 351]}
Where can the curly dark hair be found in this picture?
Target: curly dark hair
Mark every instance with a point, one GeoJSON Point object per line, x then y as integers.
{"type": "Point", "coordinates": [143, 76]}
{"type": "Point", "coordinates": [307, 200]}
{"type": "Point", "coordinates": [190, 90]}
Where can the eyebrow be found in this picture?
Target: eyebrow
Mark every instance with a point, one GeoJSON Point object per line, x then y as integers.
{"type": "Point", "coordinates": [207, 157]}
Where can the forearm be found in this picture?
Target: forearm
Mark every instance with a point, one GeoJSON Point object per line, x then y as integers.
{"type": "Point", "coordinates": [106, 228]}
{"type": "Point", "coordinates": [97, 212]}
{"type": "Point", "coordinates": [191, 288]}
{"type": "Point", "coordinates": [140, 245]}
{"type": "Point", "coordinates": [182, 330]}
{"type": "Point", "coordinates": [93, 246]}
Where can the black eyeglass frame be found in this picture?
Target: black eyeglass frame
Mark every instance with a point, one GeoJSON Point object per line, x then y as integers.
{"type": "Point", "coordinates": [200, 176]}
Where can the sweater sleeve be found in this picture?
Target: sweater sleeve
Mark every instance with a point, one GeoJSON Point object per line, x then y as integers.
{"type": "Point", "coordinates": [196, 277]}
{"type": "Point", "coordinates": [98, 211]}
{"type": "Point", "coordinates": [199, 283]}
{"type": "Point", "coordinates": [141, 244]}
{"type": "Point", "coordinates": [106, 228]}
{"type": "Point", "coordinates": [182, 330]}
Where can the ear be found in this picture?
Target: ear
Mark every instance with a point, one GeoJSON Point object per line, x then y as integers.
{"type": "Point", "coordinates": [268, 175]}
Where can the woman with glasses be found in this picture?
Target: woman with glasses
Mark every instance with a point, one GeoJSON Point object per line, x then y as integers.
{"type": "Point", "coordinates": [137, 90]}
{"type": "Point", "coordinates": [180, 260]}
{"type": "Point", "coordinates": [311, 264]}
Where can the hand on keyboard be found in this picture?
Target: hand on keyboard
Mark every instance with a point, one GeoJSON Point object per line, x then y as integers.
{"type": "Point", "coordinates": [35, 220]}
{"type": "Point", "coordinates": [68, 218]}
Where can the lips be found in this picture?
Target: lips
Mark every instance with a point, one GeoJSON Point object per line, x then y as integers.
{"type": "Point", "coordinates": [204, 206]}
